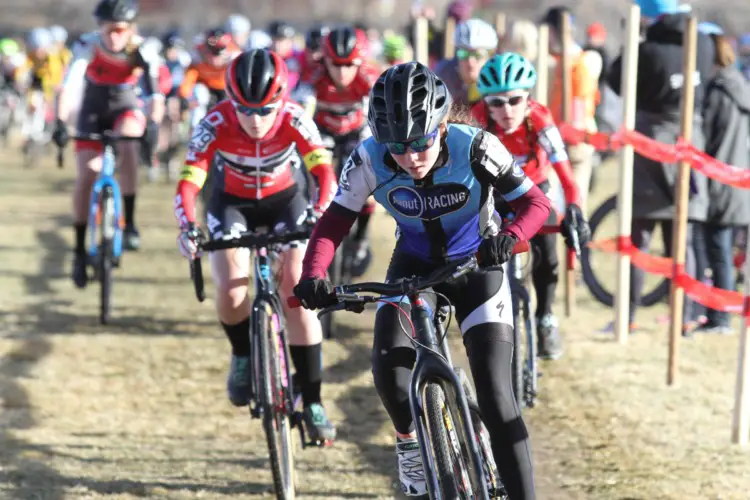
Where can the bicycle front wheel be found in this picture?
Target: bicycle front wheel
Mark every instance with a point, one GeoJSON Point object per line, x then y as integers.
{"type": "Point", "coordinates": [108, 223]}
{"type": "Point", "coordinates": [274, 384]}
{"type": "Point", "coordinates": [602, 223]}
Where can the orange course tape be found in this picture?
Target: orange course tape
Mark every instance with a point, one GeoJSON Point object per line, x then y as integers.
{"type": "Point", "coordinates": [654, 150]}
{"type": "Point", "coordinates": [713, 298]}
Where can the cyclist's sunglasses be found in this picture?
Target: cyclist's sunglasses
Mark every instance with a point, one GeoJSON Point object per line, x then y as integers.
{"type": "Point", "coordinates": [117, 29]}
{"type": "Point", "coordinates": [499, 102]}
{"type": "Point", "coordinates": [464, 54]}
{"type": "Point", "coordinates": [248, 111]}
{"type": "Point", "coordinates": [417, 145]}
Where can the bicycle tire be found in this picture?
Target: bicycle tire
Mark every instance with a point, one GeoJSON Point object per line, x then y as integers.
{"type": "Point", "coordinates": [595, 286]}
{"type": "Point", "coordinates": [482, 436]}
{"type": "Point", "coordinates": [434, 402]}
{"type": "Point", "coordinates": [328, 322]}
{"type": "Point", "coordinates": [531, 365]}
{"type": "Point", "coordinates": [105, 254]}
{"type": "Point", "coordinates": [276, 423]}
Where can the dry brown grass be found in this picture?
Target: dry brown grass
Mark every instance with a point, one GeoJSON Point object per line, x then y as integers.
{"type": "Point", "coordinates": [138, 409]}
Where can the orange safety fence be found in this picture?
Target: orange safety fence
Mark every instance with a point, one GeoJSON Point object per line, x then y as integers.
{"type": "Point", "coordinates": [655, 150]}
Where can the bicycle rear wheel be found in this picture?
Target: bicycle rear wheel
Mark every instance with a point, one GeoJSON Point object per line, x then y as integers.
{"type": "Point", "coordinates": [334, 275]}
{"type": "Point", "coordinates": [650, 295]}
{"type": "Point", "coordinates": [104, 271]}
{"type": "Point", "coordinates": [276, 422]}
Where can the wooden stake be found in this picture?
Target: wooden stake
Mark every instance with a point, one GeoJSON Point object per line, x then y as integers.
{"type": "Point", "coordinates": [567, 115]}
{"type": "Point", "coordinates": [449, 38]}
{"type": "Point", "coordinates": [681, 197]}
{"type": "Point", "coordinates": [421, 36]}
{"type": "Point", "coordinates": [542, 67]}
{"type": "Point", "coordinates": [625, 197]}
{"type": "Point", "coordinates": [741, 417]}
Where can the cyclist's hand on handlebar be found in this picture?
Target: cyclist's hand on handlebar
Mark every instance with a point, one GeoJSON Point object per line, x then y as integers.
{"type": "Point", "coordinates": [188, 241]}
{"type": "Point", "coordinates": [496, 251]}
{"type": "Point", "coordinates": [574, 221]}
{"type": "Point", "coordinates": [315, 293]}
{"type": "Point", "coordinates": [60, 135]}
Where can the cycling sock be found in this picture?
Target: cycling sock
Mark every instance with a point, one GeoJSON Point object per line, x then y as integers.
{"type": "Point", "coordinates": [363, 220]}
{"type": "Point", "coordinates": [80, 230]}
{"type": "Point", "coordinates": [239, 336]}
{"type": "Point", "coordinates": [129, 200]}
{"type": "Point", "coordinates": [308, 364]}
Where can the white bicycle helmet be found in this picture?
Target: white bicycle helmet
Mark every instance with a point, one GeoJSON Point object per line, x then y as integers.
{"type": "Point", "coordinates": [259, 39]}
{"type": "Point", "coordinates": [38, 38]}
{"type": "Point", "coordinates": [59, 34]}
{"type": "Point", "coordinates": [237, 24]}
{"type": "Point", "coordinates": [476, 34]}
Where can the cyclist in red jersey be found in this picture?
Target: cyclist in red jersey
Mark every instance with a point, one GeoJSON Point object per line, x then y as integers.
{"type": "Point", "coordinates": [253, 142]}
{"type": "Point", "coordinates": [339, 92]}
{"type": "Point", "coordinates": [313, 54]}
{"type": "Point", "coordinates": [111, 61]}
{"type": "Point", "coordinates": [527, 130]}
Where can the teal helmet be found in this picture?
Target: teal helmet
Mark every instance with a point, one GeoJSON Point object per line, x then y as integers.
{"type": "Point", "coordinates": [505, 72]}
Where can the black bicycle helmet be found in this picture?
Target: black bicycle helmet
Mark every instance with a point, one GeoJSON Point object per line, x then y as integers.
{"type": "Point", "coordinates": [281, 29]}
{"type": "Point", "coordinates": [257, 78]}
{"type": "Point", "coordinates": [314, 37]}
{"type": "Point", "coordinates": [408, 101]}
{"type": "Point", "coordinates": [116, 11]}
{"type": "Point", "coordinates": [344, 45]}
{"type": "Point", "coordinates": [172, 39]}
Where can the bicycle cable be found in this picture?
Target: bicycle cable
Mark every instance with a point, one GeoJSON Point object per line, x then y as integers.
{"type": "Point", "coordinates": [411, 337]}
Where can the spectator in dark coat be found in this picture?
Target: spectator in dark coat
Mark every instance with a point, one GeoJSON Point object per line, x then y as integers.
{"type": "Point", "coordinates": [726, 125]}
{"type": "Point", "coordinates": [659, 91]}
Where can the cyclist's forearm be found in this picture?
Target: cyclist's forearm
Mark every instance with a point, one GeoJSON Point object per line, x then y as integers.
{"type": "Point", "coordinates": [328, 234]}
{"type": "Point", "coordinates": [63, 105]}
{"type": "Point", "coordinates": [531, 211]}
{"type": "Point", "coordinates": [157, 108]}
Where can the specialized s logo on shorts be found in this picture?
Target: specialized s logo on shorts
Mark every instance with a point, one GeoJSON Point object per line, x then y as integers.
{"type": "Point", "coordinates": [428, 203]}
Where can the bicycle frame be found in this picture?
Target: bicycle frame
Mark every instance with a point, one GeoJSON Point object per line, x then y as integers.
{"type": "Point", "coordinates": [106, 181]}
{"type": "Point", "coordinates": [266, 297]}
{"type": "Point", "coordinates": [430, 367]}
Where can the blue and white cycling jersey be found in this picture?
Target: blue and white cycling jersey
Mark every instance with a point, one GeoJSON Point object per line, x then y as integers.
{"type": "Point", "coordinates": [447, 214]}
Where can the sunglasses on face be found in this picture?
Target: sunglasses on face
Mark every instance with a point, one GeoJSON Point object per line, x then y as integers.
{"type": "Point", "coordinates": [248, 111]}
{"type": "Point", "coordinates": [464, 54]}
{"type": "Point", "coordinates": [417, 145]}
{"type": "Point", "coordinates": [499, 102]}
{"type": "Point", "coordinates": [117, 30]}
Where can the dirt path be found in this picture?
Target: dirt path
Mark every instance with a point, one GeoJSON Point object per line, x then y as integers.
{"type": "Point", "coordinates": [138, 409]}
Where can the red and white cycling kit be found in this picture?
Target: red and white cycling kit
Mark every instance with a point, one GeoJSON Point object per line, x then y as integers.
{"type": "Point", "coordinates": [338, 112]}
{"type": "Point", "coordinates": [111, 78]}
{"type": "Point", "coordinates": [535, 145]}
{"type": "Point", "coordinates": [250, 170]}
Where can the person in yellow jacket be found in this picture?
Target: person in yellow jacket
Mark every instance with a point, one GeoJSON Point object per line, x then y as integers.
{"type": "Point", "coordinates": [61, 51]}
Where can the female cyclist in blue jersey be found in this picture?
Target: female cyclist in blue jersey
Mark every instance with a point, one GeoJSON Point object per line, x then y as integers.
{"type": "Point", "coordinates": [436, 177]}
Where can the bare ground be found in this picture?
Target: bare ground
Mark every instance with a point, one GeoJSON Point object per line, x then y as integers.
{"type": "Point", "coordinates": [138, 409]}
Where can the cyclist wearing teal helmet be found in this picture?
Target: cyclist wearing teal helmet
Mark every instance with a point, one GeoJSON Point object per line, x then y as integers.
{"type": "Point", "coordinates": [527, 130]}
{"type": "Point", "coordinates": [506, 72]}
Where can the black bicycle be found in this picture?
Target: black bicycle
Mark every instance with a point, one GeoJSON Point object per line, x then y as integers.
{"type": "Point", "coordinates": [525, 368]}
{"type": "Point", "coordinates": [454, 443]}
{"type": "Point", "coordinates": [340, 270]}
{"type": "Point", "coordinates": [272, 395]}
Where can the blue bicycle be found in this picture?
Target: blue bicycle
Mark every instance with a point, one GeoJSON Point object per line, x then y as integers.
{"type": "Point", "coordinates": [105, 221]}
